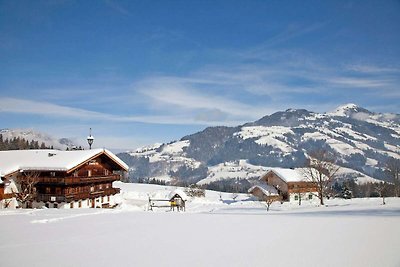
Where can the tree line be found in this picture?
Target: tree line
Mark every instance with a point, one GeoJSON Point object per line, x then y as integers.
{"type": "Point", "coordinates": [18, 143]}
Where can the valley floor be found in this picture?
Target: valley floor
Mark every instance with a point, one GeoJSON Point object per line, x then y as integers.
{"type": "Point", "coordinates": [215, 231]}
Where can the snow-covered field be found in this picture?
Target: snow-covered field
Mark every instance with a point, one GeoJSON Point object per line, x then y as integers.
{"type": "Point", "coordinates": [214, 231]}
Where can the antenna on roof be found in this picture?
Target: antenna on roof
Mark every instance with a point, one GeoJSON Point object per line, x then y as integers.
{"type": "Point", "coordinates": [90, 139]}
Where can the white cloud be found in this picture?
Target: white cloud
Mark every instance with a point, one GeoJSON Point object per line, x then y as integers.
{"type": "Point", "coordinates": [360, 82]}
{"type": "Point", "coordinates": [22, 106]}
{"type": "Point", "coordinates": [372, 69]}
{"type": "Point", "coordinates": [15, 105]}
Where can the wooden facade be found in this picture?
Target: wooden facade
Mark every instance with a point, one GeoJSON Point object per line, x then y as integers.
{"type": "Point", "coordinates": [287, 187]}
{"type": "Point", "coordinates": [61, 179]}
{"type": "Point", "coordinates": [90, 180]}
{"type": "Point", "coordinates": [261, 195]}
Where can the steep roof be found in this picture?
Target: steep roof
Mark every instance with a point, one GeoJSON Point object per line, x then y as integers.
{"type": "Point", "coordinates": [179, 192]}
{"type": "Point", "coordinates": [288, 175]}
{"type": "Point", "coordinates": [51, 160]}
{"type": "Point", "coordinates": [266, 189]}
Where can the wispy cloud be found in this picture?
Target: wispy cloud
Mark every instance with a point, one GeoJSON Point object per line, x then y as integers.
{"type": "Point", "coordinates": [372, 69]}
{"type": "Point", "coordinates": [360, 82]}
{"type": "Point", "coordinates": [117, 7]}
{"type": "Point", "coordinates": [262, 51]}
{"type": "Point", "coordinates": [191, 95]}
{"type": "Point", "coordinates": [29, 107]}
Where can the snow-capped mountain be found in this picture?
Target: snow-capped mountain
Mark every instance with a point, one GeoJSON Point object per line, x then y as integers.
{"type": "Point", "coordinates": [30, 135]}
{"type": "Point", "coordinates": [361, 140]}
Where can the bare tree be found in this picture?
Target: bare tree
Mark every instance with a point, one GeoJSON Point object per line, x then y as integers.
{"type": "Point", "coordinates": [269, 201]}
{"type": "Point", "coordinates": [234, 196]}
{"type": "Point", "coordinates": [26, 183]}
{"type": "Point", "coordinates": [381, 188]}
{"type": "Point", "coordinates": [321, 170]}
{"type": "Point", "coordinates": [7, 203]}
{"type": "Point", "coordinates": [392, 168]}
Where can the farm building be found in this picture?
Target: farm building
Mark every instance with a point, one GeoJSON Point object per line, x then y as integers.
{"type": "Point", "coordinates": [288, 184]}
{"type": "Point", "coordinates": [264, 192]}
{"type": "Point", "coordinates": [61, 179]}
{"type": "Point", "coordinates": [177, 199]}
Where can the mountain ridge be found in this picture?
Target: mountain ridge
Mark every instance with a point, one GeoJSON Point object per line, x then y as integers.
{"type": "Point", "coordinates": [360, 139]}
{"type": "Point", "coordinates": [30, 134]}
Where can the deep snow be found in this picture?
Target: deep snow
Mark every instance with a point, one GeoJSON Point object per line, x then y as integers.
{"type": "Point", "coordinates": [215, 231]}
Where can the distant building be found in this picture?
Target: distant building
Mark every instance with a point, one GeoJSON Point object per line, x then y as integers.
{"type": "Point", "coordinates": [64, 179]}
{"type": "Point", "coordinates": [285, 185]}
{"type": "Point", "coordinates": [177, 199]}
{"type": "Point", "coordinates": [265, 192]}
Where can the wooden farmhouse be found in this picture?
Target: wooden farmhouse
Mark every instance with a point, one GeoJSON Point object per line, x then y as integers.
{"type": "Point", "coordinates": [265, 192]}
{"type": "Point", "coordinates": [284, 185]}
{"type": "Point", "coordinates": [62, 179]}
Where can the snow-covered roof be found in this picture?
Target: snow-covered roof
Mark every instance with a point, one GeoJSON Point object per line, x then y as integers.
{"type": "Point", "coordinates": [49, 159]}
{"type": "Point", "coordinates": [266, 189]}
{"type": "Point", "coordinates": [180, 192]}
{"type": "Point", "coordinates": [288, 175]}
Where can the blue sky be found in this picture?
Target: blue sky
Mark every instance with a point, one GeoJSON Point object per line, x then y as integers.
{"type": "Point", "coordinates": [140, 72]}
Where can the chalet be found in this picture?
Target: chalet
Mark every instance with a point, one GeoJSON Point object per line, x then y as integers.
{"type": "Point", "coordinates": [63, 179]}
{"type": "Point", "coordinates": [288, 184]}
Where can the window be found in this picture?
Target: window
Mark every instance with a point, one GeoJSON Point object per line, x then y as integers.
{"type": "Point", "coordinates": [108, 198]}
{"type": "Point", "coordinates": [47, 205]}
{"type": "Point", "coordinates": [55, 205]}
{"type": "Point", "coordinates": [48, 190]}
{"type": "Point", "coordinates": [80, 204]}
{"type": "Point", "coordinates": [71, 205]}
{"type": "Point", "coordinates": [92, 189]}
{"type": "Point", "coordinates": [100, 186]}
{"type": "Point", "coordinates": [75, 173]}
{"type": "Point", "coordinates": [88, 202]}
{"type": "Point", "coordinates": [296, 197]}
{"type": "Point", "coordinates": [310, 196]}
{"type": "Point", "coordinates": [107, 186]}
{"type": "Point", "coordinates": [53, 174]}
{"type": "Point", "coordinates": [105, 172]}
{"type": "Point", "coordinates": [89, 173]}
{"type": "Point", "coordinates": [102, 199]}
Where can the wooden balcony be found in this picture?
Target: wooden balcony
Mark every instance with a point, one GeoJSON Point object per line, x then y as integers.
{"type": "Point", "coordinates": [76, 196]}
{"type": "Point", "coordinates": [78, 180]}
{"type": "Point", "coordinates": [6, 196]}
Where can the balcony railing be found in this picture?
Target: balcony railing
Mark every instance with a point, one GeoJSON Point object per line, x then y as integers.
{"type": "Point", "coordinates": [6, 196]}
{"type": "Point", "coordinates": [77, 196]}
{"type": "Point", "coordinates": [78, 180]}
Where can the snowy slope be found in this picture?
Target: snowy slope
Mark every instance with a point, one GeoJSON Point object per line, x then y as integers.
{"type": "Point", "coordinates": [233, 170]}
{"type": "Point", "coordinates": [360, 140]}
{"type": "Point", "coordinates": [30, 135]}
{"type": "Point", "coordinates": [215, 231]}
